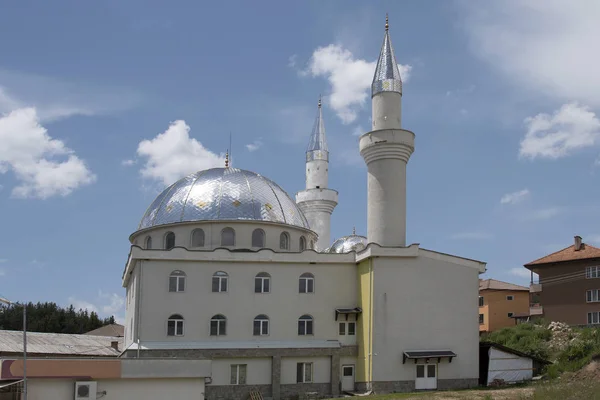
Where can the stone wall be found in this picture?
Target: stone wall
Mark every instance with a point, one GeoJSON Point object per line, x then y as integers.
{"type": "Point", "coordinates": [242, 392]}
{"type": "Point", "coordinates": [299, 391]}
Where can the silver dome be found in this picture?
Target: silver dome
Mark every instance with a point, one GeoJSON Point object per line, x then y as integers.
{"type": "Point", "coordinates": [223, 194]}
{"type": "Point", "coordinates": [347, 244]}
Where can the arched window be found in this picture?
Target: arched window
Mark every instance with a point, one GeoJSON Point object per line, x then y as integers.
{"type": "Point", "coordinates": [169, 240]}
{"type": "Point", "coordinates": [148, 242]}
{"type": "Point", "coordinates": [262, 283]}
{"type": "Point", "coordinates": [261, 325]}
{"type": "Point", "coordinates": [284, 241]}
{"type": "Point", "coordinates": [305, 325]}
{"type": "Point", "coordinates": [175, 325]}
{"type": "Point", "coordinates": [258, 238]}
{"type": "Point", "coordinates": [219, 282]}
{"type": "Point", "coordinates": [177, 281]}
{"type": "Point", "coordinates": [307, 283]}
{"type": "Point", "coordinates": [197, 238]}
{"type": "Point", "coordinates": [218, 325]}
{"type": "Point", "coordinates": [312, 245]}
{"type": "Point", "coordinates": [302, 243]}
{"type": "Point", "coordinates": [228, 237]}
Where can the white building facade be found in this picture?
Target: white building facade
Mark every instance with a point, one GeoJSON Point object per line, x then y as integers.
{"type": "Point", "coordinates": [226, 266]}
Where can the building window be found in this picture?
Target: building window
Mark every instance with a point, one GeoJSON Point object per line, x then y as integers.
{"type": "Point", "coordinates": [261, 325]}
{"type": "Point", "coordinates": [148, 243]}
{"type": "Point", "coordinates": [592, 272]}
{"type": "Point", "coordinates": [307, 283]}
{"type": "Point", "coordinates": [177, 281]}
{"type": "Point", "coordinates": [197, 238]}
{"type": "Point", "coordinates": [304, 372]}
{"type": "Point", "coordinates": [169, 240]}
{"type": "Point", "coordinates": [593, 296]}
{"type": "Point", "coordinates": [218, 325]}
{"type": "Point", "coordinates": [175, 325]}
{"type": "Point", "coordinates": [258, 238]}
{"type": "Point", "coordinates": [284, 241]}
{"type": "Point", "coordinates": [302, 243]}
{"type": "Point", "coordinates": [594, 318]}
{"type": "Point", "coordinates": [510, 298]}
{"type": "Point", "coordinates": [480, 318]}
{"type": "Point", "coordinates": [480, 301]}
{"type": "Point", "coordinates": [262, 283]}
{"type": "Point", "coordinates": [510, 315]}
{"type": "Point", "coordinates": [348, 328]}
{"type": "Point", "coordinates": [219, 282]}
{"type": "Point", "coordinates": [305, 325]}
{"type": "Point", "coordinates": [228, 237]}
{"type": "Point", "coordinates": [238, 374]}
{"type": "Point", "coordinates": [312, 245]}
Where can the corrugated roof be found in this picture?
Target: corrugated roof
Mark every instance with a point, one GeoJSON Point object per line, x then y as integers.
{"type": "Point", "coordinates": [568, 254]}
{"type": "Point", "coordinates": [108, 330]}
{"type": "Point", "coordinates": [58, 343]}
{"type": "Point", "coordinates": [486, 284]}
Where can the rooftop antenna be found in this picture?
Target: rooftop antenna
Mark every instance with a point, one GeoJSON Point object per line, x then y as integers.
{"type": "Point", "coordinates": [230, 152]}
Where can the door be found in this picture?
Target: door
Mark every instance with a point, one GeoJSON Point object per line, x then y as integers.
{"type": "Point", "coordinates": [426, 376]}
{"type": "Point", "coordinates": [347, 378]}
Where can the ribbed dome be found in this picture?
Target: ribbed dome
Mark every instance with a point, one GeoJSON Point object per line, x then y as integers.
{"type": "Point", "coordinates": [223, 194]}
{"type": "Point", "coordinates": [347, 244]}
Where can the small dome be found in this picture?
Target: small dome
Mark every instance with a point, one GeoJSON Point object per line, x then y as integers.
{"type": "Point", "coordinates": [223, 194]}
{"type": "Point", "coordinates": [347, 244]}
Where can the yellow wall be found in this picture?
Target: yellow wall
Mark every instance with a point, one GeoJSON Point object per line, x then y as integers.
{"type": "Point", "coordinates": [496, 308]}
{"type": "Point", "coordinates": [364, 325]}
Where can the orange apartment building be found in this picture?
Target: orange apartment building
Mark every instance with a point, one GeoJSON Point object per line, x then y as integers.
{"type": "Point", "coordinates": [499, 304]}
{"type": "Point", "coordinates": [569, 284]}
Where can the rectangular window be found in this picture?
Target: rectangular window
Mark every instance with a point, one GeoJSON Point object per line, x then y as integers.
{"type": "Point", "coordinates": [175, 328]}
{"type": "Point", "coordinates": [307, 285]}
{"type": "Point", "coordinates": [219, 284]}
{"type": "Point", "coordinates": [420, 371]}
{"type": "Point", "coordinates": [176, 283]}
{"type": "Point", "coordinates": [510, 298]}
{"type": "Point", "coordinates": [304, 372]}
{"type": "Point", "coordinates": [238, 374]}
{"type": "Point", "coordinates": [592, 272]}
{"type": "Point", "coordinates": [261, 284]}
{"type": "Point", "coordinates": [481, 318]}
{"type": "Point", "coordinates": [480, 301]}
{"type": "Point", "coordinates": [593, 318]}
{"type": "Point", "coordinates": [351, 328]}
{"type": "Point", "coordinates": [510, 315]}
{"type": "Point", "coordinates": [217, 327]}
{"type": "Point", "coordinates": [305, 327]}
{"type": "Point", "coordinates": [342, 329]}
{"type": "Point", "coordinates": [592, 296]}
{"type": "Point", "coordinates": [261, 327]}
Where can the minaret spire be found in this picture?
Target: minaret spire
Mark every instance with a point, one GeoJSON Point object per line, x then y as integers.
{"type": "Point", "coordinates": [317, 145]}
{"type": "Point", "coordinates": [387, 75]}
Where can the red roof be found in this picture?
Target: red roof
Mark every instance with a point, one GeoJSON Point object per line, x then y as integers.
{"type": "Point", "coordinates": [499, 285]}
{"type": "Point", "coordinates": [568, 254]}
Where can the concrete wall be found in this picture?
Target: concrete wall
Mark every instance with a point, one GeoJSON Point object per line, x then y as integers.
{"type": "Point", "coordinates": [321, 369]}
{"type": "Point", "coordinates": [130, 389]}
{"type": "Point", "coordinates": [258, 370]}
{"type": "Point", "coordinates": [364, 325]}
{"type": "Point", "coordinates": [424, 303]}
{"type": "Point", "coordinates": [335, 286]}
{"type": "Point", "coordinates": [496, 308]}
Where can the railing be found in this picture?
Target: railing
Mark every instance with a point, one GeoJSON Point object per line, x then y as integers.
{"type": "Point", "coordinates": [535, 287]}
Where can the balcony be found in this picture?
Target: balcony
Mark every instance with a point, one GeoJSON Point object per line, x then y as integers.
{"type": "Point", "coordinates": [535, 287]}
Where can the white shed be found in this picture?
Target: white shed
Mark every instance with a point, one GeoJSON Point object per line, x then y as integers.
{"type": "Point", "coordinates": [501, 363]}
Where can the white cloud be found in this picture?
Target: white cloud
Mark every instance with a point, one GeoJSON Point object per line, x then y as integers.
{"type": "Point", "coordinates": [571, 128]}
{"type": "Point", "coordinates": [257, 144]}
{"type": "Point", "coordinates": [292, 61]}
{"type": "Point", "coordinates": [44, 166]}
{"type": "Point", "coordinates": [173, 154]}
{"type": "Point", "coordinates": [540, 45]}
{"type": "Point", "coordinates": [127, 163]}
{"type": "Point", "coordinates": [115, 303]}
{"type": "Point", "coordinates": [83, 305]}
{"type": "Point", "coordinates": [515, 197]}
{"type": "Point", "coordinates": [105, 305]}
{"type": "Point", "coordinates": [471, 236]}
{"type": "Point", "coordinates": [358, 131]}
{"type": "Point", "coordinates": [520, 272]}
{"type": "Point", "coordinates": [350, 78]}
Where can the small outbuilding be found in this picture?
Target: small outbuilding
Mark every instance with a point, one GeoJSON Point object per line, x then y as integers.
{"type": "Point", "coordinates": [498, 363]}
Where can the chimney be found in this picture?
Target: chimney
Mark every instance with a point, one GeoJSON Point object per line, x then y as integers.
{"type": "Point", "coordinates": [115, 345]}
{"type": "Point", "coordinates": [578, 243]}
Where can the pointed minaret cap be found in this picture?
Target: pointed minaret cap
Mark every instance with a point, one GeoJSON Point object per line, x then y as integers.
{"type": "Point", "coordinates": [387, 75]}
{"type": "Point", "coordinates": [317, 146]}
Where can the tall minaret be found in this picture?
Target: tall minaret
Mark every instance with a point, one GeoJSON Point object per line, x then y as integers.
{"type": "Point", "coordinates": [317, 201]}
{"type": "Point", "coordinates": [386, 150]}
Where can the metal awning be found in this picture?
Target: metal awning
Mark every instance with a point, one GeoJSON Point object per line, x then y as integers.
{"type": "Point", "coordinates": [426, 354]}
{"type": "Point", "coordinates": [5, 385]}
{"type": "Point", "coordinates": [347, 311]}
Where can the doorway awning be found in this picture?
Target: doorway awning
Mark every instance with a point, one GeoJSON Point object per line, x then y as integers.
{"type": "Point", "coordinates": [347, 311]}
{"type": "Point", "coordinates": [7, 385]}
{"type": "Point", "coordinates": [427, 354]}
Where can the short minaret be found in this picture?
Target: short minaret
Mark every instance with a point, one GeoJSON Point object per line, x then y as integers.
{"type": "Point", "coordinates": [386, 150]}
{"type": "Point", "coordinates": [317, 201]}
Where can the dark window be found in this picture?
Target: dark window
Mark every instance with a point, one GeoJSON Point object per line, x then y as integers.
{"type": "Point", "coordinates": [307, 283]}
{"type": "Point", "coordinates": [261, 325]}
{"type": "Point", "coordinates": [219, 282]}
{"type": "Point", "coordinates": [304, 372]}
{"type": "Point", "coordinates": [228, 237]}
{"type": "Point", "coordinates": [481, 318]}
{"type": "Point", "coordinates": [169, 240]}
{"type": "Point", "coordinates": [510, 315]}
{"type": "Point", "coordinates": [480, 301]}
{"type": "Point", "coordinates": [218, 325]}
{"type": "Point", "coordinates": [284, 241]}
{"type": "Point", "coordinates": [148, 242]}
{"type": "Point", "coordinates": [420, 371]}
{"type": "Point", "coordinates": [302, 243]}
{"type": "Point", "coordinates": [175, 325]}
{"type": "Point", "coordinates": [351, 328]}
{"type": "Point", "coordinates": [258, 238]}
{"type": "Point", "coordinates": [177, 281]}
{"type": "Point", "coordinates": [198, 238]}
{"type": "Point", "coordinates": [348, 371]}
{"type": "Point", "coordinates": [509, 298]}
{"type": "Point", "coordinates": [305, 325]}
{"type": "Point", "coordinates": [342, 328]}
{"type": "Point", "coordinates": [262, 283]}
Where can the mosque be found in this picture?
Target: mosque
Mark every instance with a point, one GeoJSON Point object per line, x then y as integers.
{"type": "Point", "coordinates": [226, 266]}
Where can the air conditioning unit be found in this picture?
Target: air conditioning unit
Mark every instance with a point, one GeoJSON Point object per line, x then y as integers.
{"type": "Point", "coordinates": [85, 390]}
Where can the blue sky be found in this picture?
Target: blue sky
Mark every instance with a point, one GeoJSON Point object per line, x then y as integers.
{"type": "Point", "coordinates": [104, 103]}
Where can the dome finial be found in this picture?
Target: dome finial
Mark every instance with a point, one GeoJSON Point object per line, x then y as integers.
{"type": "Point", "coordinates": [387, 25]}
{"type": "Point", "coordinates": [227, 159]}
{"type": "Point", "coordinates": [319, 104]}
{"type": "Point", "coordinates": [354, 230]}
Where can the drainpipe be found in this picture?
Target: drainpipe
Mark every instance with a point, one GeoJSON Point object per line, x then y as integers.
{"type": "Point", "coordinates": [370, 370]}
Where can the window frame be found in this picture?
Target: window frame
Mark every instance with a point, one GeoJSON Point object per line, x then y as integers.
{"type": "Point", "coordinates": [148, 242]}
{"type": "Point", "coordinates": [301, 372]}
{"type": "Point", "coordinates": [510, 315]}
{"type": "Point", "coordinates": [302, 243]}
{"type": "Point", "coordinates": [481, 319]}
{"type": "Point", "coordinates": [481, 301]}
{"type": "Point", "coordinates": [180, 281]}
{"type": "Point", "coordinates": [197, 230]}
{"type": "Point", "coordinates": [226, 230]}
{"type": "Point", "coordinates": [592, 272]}
{"type": "Point", "coordinates": [306, 321]}
{"type": "Point", "coordinates": [344, 328]}
{"type": "Point", "coordinates": [178, 321]}
{"type": "Point", "coordinates": [221, 277]}
{"type": "Point", "coordinates": [510, 297]}
{"type": "Point", "coordinates": [590, 317]}
{"type": "Point", "coordinates": [166, 240]}
{"type": "Point", "coordinates": [262, 277]}
{"type": "Point", "coordinates": [238, 369]}
{"type": "Point", "coordinates": [284, 240]}
{"type": "Point", "coordinates": [307, 279]}
{"type": "Point", "coordinates": [263, 238]}
{"type": "Point", "coordinates": [221, 325]}
{"type": "Point", "coordinates": [589, 295]}
{"type": "Point", "coordinates": [263, 325]}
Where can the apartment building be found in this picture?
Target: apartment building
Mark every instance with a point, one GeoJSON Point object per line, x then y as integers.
{"type": "Point", "coordinates": [569, 284]}
{"type": "Point", "coordinates": [499, 303]}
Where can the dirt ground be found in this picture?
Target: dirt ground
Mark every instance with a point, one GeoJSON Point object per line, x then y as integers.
{"type": "Point", "coordinates": [492, 394]}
